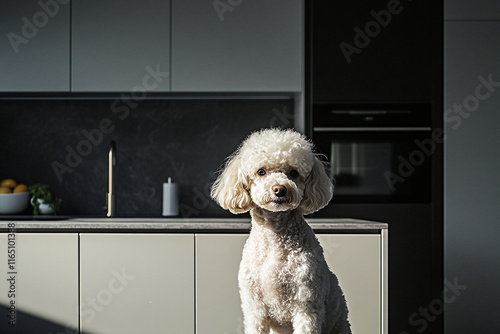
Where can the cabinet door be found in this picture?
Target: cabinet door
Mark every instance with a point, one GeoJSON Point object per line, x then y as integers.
{"type": "Point", "coordinates": [39, 283]}
{"type": "Point", "coordinates": [356, 260]}
{"type": "Point", "coordinates": [137, 283]}
{"type": "Point", "coordinates": [218, 302]}
{"type": "Point", "coordinates": [479, 10]}
{"type": "Point", "coordinates": [34, 48]}
{"type": "Point", "coordinates": [237, 46]}
{"type": "Point", "coordinates": [375, 50]}
{"type": "Point", "coordinates": [120, 45]}
{"type": "Point", "coordinates": [472, 119]}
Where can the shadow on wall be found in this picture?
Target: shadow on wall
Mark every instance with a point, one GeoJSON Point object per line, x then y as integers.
{"type": "Point", "coordinates": [64, 143]}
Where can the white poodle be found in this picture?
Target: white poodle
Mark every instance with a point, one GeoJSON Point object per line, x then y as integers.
{"type": "Point", "coordinates": [285, 283]}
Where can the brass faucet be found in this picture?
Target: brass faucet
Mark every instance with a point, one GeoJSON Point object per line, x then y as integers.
{"type": "Point", "coordinates": [111, 180]}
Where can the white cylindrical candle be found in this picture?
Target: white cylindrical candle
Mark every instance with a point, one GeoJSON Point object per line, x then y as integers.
{"type": "Point", "coordinates": [170, 199]}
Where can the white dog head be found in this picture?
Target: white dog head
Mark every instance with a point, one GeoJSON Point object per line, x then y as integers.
{"type": "Point", "coordinates": [275, 170]}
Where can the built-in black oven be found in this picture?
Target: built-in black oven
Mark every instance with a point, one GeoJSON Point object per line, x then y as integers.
{"type": "Point", "coordinates": [377, 153]}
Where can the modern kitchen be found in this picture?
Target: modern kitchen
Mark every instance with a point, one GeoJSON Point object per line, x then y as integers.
{"type": "Point", "coordinates": [128, 111]}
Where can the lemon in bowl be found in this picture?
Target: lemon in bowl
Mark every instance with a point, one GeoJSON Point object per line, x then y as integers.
{"type": "Point", "coordinates": [20, 188]}
{"type": "Point", "coordinates": [8, 183]}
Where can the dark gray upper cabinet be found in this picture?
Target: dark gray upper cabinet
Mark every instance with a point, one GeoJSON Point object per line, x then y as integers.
{"type": "Point", "coordinates": [34, 46]}
{"type": "Point", "coordinates": [376, 50]}
{"type": "Point", "coordinates": [119, 45]}
{"type": "Point", "coordinates": [235, 45]}
{"type": "Point", "coordinates": [124, 46]}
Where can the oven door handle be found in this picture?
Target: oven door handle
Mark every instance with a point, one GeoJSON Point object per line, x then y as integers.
{"type": "Point", "coordinates": [371, 129]}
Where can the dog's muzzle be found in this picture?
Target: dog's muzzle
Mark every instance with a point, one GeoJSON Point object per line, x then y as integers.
{"type": "Point", "coordinates": [279, 190]}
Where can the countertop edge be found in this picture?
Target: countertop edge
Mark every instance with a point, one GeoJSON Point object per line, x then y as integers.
{"type": "Point", "coordinates": [144, 225]}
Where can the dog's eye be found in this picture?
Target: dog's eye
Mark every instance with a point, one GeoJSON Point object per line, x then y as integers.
{"type": "Point", "coordinates": [261, 172]}
{"type": "Point", "coordinates": [294, 174]}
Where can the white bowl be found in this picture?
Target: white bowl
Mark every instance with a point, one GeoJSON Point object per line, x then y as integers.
{"type": "Point", "coordinates": [14, 203]}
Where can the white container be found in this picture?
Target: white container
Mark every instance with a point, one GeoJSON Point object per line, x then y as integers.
{"type": "Point", "coordinates": [170, 199]}
{"type": "Point", "coordinates": [44, 208]}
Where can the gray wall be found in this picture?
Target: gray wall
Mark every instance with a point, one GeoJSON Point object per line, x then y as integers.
{"type": "Point", "coordinates": [472, 166]}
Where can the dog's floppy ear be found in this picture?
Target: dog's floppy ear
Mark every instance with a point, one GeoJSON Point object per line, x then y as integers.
{"type": "Point", "coordinates": [318, 191]}
{"type": "Point", "coordinates": [230, 190]}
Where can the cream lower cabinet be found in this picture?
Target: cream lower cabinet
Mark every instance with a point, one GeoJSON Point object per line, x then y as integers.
{"type": "Point", "coordinates": [358, 260]}
{"type": "Point", "coordinates": [218, 307]}
{"type": "Point", "coordinates": [137, 283]}
{"type": "Point", "coordinates": [360, 263]}
{"type": "Point", "coordinates": [163, 283]}
{"type": "Point", "coordinates": [39, 285]}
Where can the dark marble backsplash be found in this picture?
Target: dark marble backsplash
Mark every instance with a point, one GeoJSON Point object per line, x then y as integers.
{"type": "Point", "coordinates": [65, 143]}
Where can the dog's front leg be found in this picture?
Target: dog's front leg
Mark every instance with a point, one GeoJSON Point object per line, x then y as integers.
{"type": "Point", "coordinates": [255, 319]}
{"type": "Point", "coordinates": [255, 324]}
{"type": "Point", "coordinates": [306, 322]}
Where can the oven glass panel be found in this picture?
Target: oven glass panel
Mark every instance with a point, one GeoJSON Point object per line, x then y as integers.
{"type": "Point", "coordinates": [356, 167]}
{"type": "Point", "coordinates": [374, 167]}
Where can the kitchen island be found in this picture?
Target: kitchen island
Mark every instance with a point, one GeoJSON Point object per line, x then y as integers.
{"type": "Point", "coordinates": [130, 275]}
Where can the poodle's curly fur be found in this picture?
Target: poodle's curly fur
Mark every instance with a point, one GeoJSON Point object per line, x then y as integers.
{"type": "Point", "coordinates": [285, 283]}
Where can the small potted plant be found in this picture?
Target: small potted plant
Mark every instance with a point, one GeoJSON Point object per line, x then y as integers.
{"type": "Point", "coordinates": [43, 200]}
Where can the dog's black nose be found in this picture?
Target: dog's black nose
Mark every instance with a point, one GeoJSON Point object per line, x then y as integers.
{"type": "Point", "coordinates": [279, 190]}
